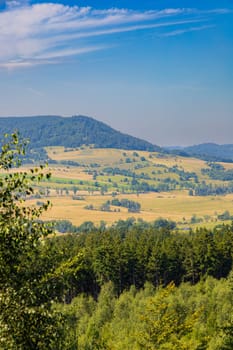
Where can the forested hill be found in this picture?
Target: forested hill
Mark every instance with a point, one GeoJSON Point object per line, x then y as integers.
{"type": "Point", "coordinates": [211, 152]}
{"type": "Point", "coordinates": [71, 132]}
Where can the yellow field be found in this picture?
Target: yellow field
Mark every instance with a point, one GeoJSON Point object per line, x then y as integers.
{"type": "Point", "coordinates": [178, 207]}
{"type": "Point", "coordinates": [86, 155]}
{"type": "Point", "coordinates": [174, 205]}
{"type": "Point", "coordinates": [69, 173]}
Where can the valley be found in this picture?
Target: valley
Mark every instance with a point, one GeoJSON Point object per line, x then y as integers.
{"type": "Point", "coordinates": [166, 186]}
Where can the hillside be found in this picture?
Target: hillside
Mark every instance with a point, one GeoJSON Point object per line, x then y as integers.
{"type": "Point", "coordinates": [210, 152]}
{"type": "Point", "coordinates": [71, 132]}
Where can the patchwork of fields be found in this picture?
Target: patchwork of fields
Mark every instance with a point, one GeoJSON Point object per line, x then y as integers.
{"type": "Point", "coordinates": [166, 186]}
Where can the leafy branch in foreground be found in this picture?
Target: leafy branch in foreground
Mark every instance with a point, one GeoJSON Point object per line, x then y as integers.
{"type": "Point", "coordinates": [26, 317]}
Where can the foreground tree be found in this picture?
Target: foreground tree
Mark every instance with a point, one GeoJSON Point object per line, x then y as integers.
{"type": "Point", "coordinates": [27, 320]}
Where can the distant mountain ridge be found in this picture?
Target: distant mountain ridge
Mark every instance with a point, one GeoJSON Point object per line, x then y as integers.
{"type": "Point", "coordinates": [71, 132]}
{"type": "Point", "coordinates": [80, 130]}
{"type": "Point", "coordinates": [207, 151]}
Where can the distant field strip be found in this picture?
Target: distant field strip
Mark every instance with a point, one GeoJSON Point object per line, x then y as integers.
{"type": "Point", "coordinates": [171, 206]}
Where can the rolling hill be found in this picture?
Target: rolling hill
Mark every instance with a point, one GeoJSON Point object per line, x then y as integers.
{"type": "Point", "coordinates": [211, 152]}
{"type": "Point", "coordinates": [73, 131]}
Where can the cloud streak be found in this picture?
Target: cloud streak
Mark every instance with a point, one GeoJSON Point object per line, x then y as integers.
{"type": "Point", "coordinates": [186, 30]}
{"type": "Point", "coordinates": [48, 33]}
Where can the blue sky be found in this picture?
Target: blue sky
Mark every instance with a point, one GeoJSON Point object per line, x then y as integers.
{"type": "Point", "coordinates": [159, 70]}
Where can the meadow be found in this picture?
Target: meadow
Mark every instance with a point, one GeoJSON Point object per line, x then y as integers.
{"type": "Point", "coordinates": [161, 183]}
{"type": "Point", "coordinates": [178, 207]}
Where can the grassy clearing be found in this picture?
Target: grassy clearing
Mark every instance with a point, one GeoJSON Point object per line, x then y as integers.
{"type": "Point", "coordinates": [86, 155]}
{"type": "Point", "coordinates": [67, 172]}
{"type": "Point", "coordinates": [188, 164]}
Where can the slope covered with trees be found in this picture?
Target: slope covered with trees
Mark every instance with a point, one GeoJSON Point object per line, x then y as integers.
{"type": "Point", "coordinates": [71, 132]}
{"type": "Point", "coordinates": [211, 152]}
{"type": "Point", "coordinates": [185, 317]}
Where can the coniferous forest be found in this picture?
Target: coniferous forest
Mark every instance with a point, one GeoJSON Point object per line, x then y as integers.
{"type": "Point", "coordinates": [125, 287]}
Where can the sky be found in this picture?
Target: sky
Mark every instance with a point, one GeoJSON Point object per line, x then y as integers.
{"type": "Point", "coordinates": [157, 69]}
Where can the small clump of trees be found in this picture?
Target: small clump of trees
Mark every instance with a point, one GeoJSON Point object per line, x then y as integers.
{"type": "Point", "coordinates": [133, 207]}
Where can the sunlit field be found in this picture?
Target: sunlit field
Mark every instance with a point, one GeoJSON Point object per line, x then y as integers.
{"type": "Point", "coordinates": [73, 188]}
{"type": "Point", "coordinates": [174, 206]}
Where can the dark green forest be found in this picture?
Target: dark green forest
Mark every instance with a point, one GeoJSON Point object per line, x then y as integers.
{"type": "Point", "coordinates": [130, 286]}
{"type": "Point", "coordinates": [71, 132]}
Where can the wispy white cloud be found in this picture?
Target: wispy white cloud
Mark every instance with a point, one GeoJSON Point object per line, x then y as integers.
{"type": "Point", "coordinates": [49, 32]}
{"type": "Point", "coordinates": [186, 30]}
{"type": "Point", "coordinates": [219, 11]}
{"type": "Point", "coordinates": [123, 29]}
{"type": "Point", "coordinates": [14, 64]}
{"type": "Point", "coordinates": [10, 4]}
